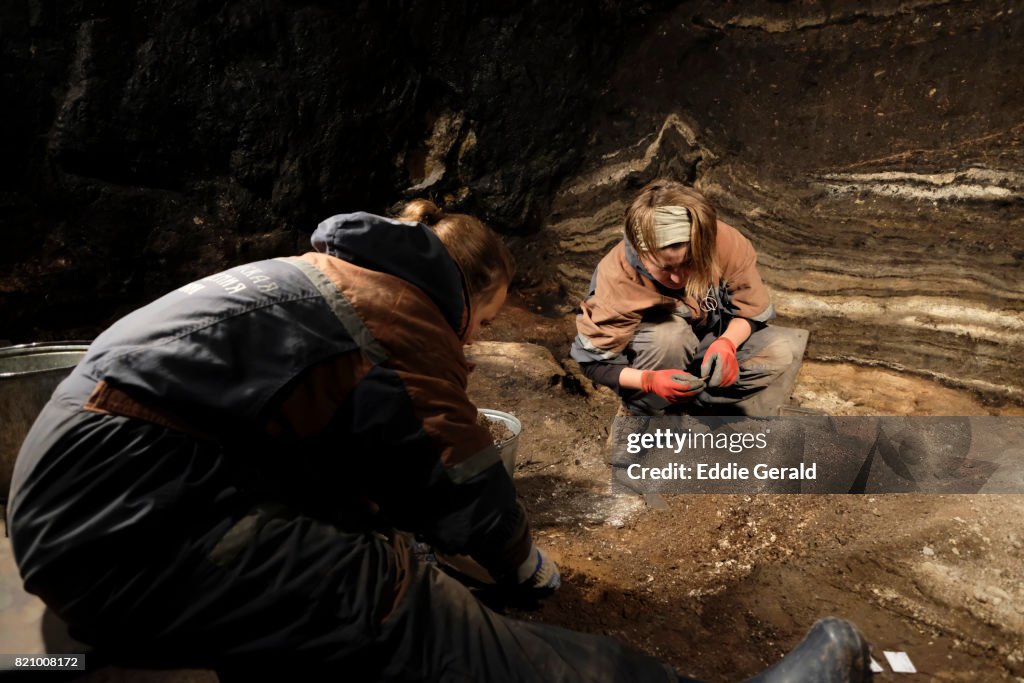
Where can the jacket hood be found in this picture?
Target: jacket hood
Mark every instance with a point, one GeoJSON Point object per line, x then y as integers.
{"type": "Point", "coordinates": [410, 251]}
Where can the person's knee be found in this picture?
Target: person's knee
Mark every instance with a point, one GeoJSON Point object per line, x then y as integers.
{"type": "Point", "coordinates": [666, 344]}
{"type": "Point", "coordinates": [768, 362]}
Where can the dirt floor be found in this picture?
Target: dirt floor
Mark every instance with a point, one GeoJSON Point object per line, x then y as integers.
{"type": "Point", "coordinates": [721, 586]}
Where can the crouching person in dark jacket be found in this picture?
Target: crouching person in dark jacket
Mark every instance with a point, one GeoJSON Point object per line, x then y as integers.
{"type": "Point", "coordinates": [217, 483]}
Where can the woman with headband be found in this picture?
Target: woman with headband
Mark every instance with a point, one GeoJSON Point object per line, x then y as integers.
{"type": "Point", "coordinates": [677, 311]}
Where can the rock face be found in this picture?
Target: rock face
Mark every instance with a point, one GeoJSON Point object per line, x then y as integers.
{"type": "Point", "coordinates": [871, 154]}
{"type": "Point", "coordinates": [154, 142]}
{"type": "Point", "coordinates": [870, 150]}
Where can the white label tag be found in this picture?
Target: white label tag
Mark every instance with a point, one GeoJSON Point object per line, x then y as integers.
{"type": "Point", "coordinates": [899, 662]}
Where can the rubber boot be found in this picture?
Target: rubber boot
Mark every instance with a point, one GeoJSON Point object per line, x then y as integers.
{"type": "Point", "coordinates": [833, 651]}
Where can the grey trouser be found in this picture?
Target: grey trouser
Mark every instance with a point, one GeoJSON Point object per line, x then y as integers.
{"type": "Point", "coordinates": [671, 342]}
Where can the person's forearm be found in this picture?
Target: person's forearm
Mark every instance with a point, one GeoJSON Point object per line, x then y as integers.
{"type": "Point", "coordinates": [630, 378]}
{"type": "Point", "coordinates": [603, 373]}
{"type": "Point", "coordinates": [509, 544]}
{"type": "Point", "coordinates": [738, 331]}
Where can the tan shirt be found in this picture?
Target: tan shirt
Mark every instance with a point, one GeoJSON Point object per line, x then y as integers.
{"type": "Point", "coordinates": [610, 316]}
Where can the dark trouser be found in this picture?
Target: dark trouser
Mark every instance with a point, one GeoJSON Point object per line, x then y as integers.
{"type": "Point", "coordinates": [671, 342]}
{"type": "Point", "coordinates": [172, 572]}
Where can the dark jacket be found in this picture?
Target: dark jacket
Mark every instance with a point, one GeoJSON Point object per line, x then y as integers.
{"type": "Point", "coordinates": [335, 381]}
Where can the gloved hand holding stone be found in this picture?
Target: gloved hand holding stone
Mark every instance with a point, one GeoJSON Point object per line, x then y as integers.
{"type": "Point", "coordinates": [675, 386]}
{"type": "Point", "coordinates": [721, 355]}
{"type": "Point", "coordinates": [538, 572]}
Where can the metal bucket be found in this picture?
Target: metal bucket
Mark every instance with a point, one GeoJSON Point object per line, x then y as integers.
{"type": "Point", "coordinates": [508, 447]}
{"type": "Point", "coordinates": [28, 375]}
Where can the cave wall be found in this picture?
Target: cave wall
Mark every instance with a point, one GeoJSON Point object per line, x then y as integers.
{"type": "Point", "coordinates": [149, 143]}
{"type": "Point", "coordinates": [871, 151]}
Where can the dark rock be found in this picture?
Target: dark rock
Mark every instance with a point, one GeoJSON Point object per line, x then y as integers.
{"type": "Point", "coordinates": [154, 142]}
{"type": "Point", "coordinates": [871, 151]}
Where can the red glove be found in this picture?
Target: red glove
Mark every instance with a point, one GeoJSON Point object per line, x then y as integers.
{"type": "Point", "coordinates": [675, 386]}
{"type": "Point", "coordinates": [722, 356]}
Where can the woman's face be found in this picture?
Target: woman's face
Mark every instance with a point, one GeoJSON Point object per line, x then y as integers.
{"type": "Point", "coordinates": [481, 315]}
{"type": "Point", "coordinates": [668, 265]}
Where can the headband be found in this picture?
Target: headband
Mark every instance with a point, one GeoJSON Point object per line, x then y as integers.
{"type": "Point", "coordinates": [671, 226]}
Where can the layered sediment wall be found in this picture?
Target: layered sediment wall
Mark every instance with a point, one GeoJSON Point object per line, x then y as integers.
{"type": "Point", "coordinates": [868, 153]}
{"type": "Point", "coordinates": [872, 151]}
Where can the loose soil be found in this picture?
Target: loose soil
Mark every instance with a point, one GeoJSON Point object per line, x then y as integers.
{"type": "Point", "coordinates": [721, 586]}
{"type": "Point", "coordinates": [500, 432]}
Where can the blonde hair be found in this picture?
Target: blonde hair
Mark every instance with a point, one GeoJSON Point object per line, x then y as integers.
{"type": "Point", "coordinates": [478, 251]}
{"type": "Point", "coordinates": [703, 271]}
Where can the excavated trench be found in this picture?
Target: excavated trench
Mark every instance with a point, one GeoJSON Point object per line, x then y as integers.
{"type": "Point", "coordinates": [723, 585]}
{"type": "Point", "coordinates": [871, 151]}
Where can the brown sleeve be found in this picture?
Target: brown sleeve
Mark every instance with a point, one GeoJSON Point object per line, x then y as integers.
{"type": "Point", "coordinates": [748, 294]}
{"type": "Point", "coordinates": [469, 505]}
{"type": "Point", "coordinates": [422, 349]}
{"type": "Point", "coordinates": [609, 318]}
